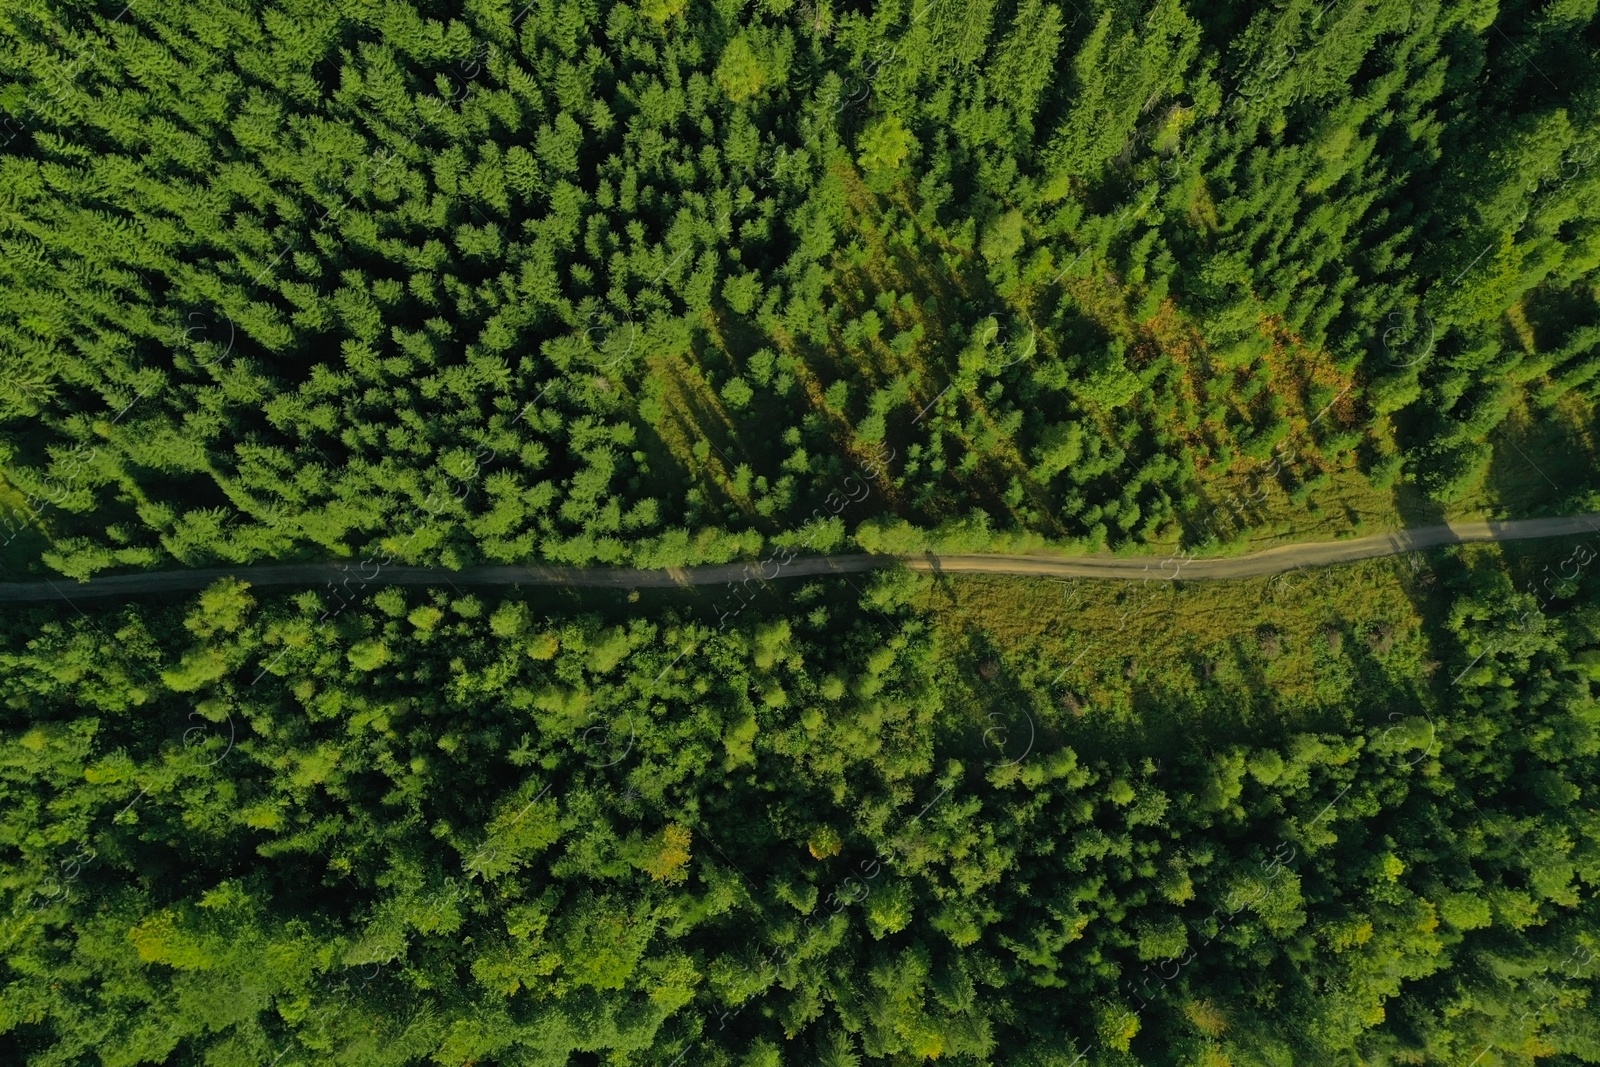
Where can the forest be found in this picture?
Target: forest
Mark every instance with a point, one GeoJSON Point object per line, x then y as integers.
{"type": "Point", "coordinates": [440, 828]}
{"type": "Point", "coordinates": [621, 283]}
{"type": "Point", "coordinates": [663, 283]}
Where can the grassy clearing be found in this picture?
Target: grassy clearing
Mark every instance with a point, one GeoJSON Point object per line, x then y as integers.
{"type": "Point", "coordinates": [1102, 662]}
{"type": "Point", "coordinates": [1112, 648]}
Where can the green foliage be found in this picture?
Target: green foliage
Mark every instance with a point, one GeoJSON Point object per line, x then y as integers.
{"type": "Point", "coordinates": [444, 821]}
{"type": "Point", "coordinates": [498, 287]}
{"type": "Point", "coordinates": [739, 72]}
{"type": "Point", "coordinates": [884, 146]}
{"type": "Point", "coordinates": [677, 283]}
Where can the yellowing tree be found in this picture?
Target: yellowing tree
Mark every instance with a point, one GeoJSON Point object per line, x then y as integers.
{"type": "Point", "coordinates": [824, 843]}
{"type": "Point", "coordinates": [659, 11]}
{"type": "Point", "coordinates": [884, 146]}
{"type": "Point", "coordinates": [1116, 1026]}
{"type": "Point", "coordinates": [670, 854]}
{"type": "Point", "coordinates": [739, 72]}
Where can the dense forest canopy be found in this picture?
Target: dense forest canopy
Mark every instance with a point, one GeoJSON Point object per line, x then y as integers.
{"type": "Point", "coordinates": [449, 829]}
{"type": "Point", "coordinates": [589, 282]}
{"type": "Point", "coordinates": [685, 281]}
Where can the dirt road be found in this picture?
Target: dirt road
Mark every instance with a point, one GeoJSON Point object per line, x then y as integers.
{"type": "Point", "coordinates": [1271, 561]}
